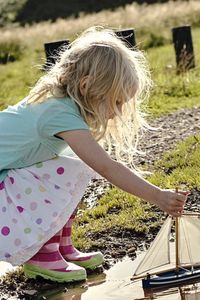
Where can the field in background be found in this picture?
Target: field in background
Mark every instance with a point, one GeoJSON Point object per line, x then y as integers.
{"type": "Point", "coordinates": [152, 25]}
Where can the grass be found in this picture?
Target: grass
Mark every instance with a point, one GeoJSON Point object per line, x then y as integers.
{"type": "Point", "coordinates": [173, 91]}
{"type": "Point", "coordinates": [17, 78]}
{"type": "Point", "coordinates": [117, 210]}
{"type": "Point", "coordinates": [152, 24]}
{"type": "Point", "coordinates": [180, 167]}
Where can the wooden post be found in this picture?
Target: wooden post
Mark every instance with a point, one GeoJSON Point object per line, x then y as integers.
{"type": "Point", "coordinates": [182, 39]}
{"type": "Point", "coordinates": [51, 50]}
{"type": "Point", "coordinates": [127, 35]}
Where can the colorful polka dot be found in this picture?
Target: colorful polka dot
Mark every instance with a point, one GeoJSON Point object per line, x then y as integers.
{"type": "Point", "coordinates": [18, 196]}
{"type": "Point", "coordinates": [47, 201]}
{"type": "Point", "coordinates": [5, 231]}
{"type": "Point", "coordinates": [9, 200]}
{"type": "Point", "coordinates": [56, 157]}
{"type": "Point", "coordinates": [60, 170]}
{"type": "Point", "coordinates": [20, 209]}
{"type": "Point", "coordinates": [12, 180]}
{"type": "Point", "coordinates": [17, 242]}
{"type": "Point", "coordinates": [42, 189]}
{"type": "Point", "coordinates": [27, 230]}
{"type": "Point", "coordinates": [33, 206]}
{"type": "Point", "coordinates": [40, 237]}
{"type": "Point", "coordinates": [53, 224]}
{"type": "Point", "coordinates": [55, 214]}
{"type": "Point", "coordinates": [2, 186]}
{"type": "Point", "coordinates": [39, 221]}
{"type": "Point", "coordinates": [46, 176]}
{"type": "Point", "coordinates": [56, 187]}
{"type": "Point", "coordinates": [39, 165]}
{"type": "Point", "coordinates": [3, 209]}
{"type": "Point", "coordinates": [14, 221]}
{"type": "Point", "coordinates": [28, 191]}
{"type": "Point", "coordinates": [7, 255]}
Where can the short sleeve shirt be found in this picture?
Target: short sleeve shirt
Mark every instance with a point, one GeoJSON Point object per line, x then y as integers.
{"type": "Point", "coordinates": [27, 131]}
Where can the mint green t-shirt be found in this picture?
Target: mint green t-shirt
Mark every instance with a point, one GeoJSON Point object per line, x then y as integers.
{"type": "Point", "coordinates": [27, 131]}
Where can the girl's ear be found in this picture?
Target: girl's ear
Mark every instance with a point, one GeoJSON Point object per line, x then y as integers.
{"type": "Point", "coordinates": [83, 84]}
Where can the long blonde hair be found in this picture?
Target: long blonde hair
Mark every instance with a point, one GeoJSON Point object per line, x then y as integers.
{"type": "Point", "coordinates": [116, 75]}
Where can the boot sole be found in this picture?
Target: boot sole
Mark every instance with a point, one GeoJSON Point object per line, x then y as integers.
{"type": "Point", "coordinates": [90, 264]}
{"type": "Point", "coordinates": [32, 271]}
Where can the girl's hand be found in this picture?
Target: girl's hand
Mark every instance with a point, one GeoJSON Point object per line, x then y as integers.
{"type": "Point", "coordinates": [172, 202]}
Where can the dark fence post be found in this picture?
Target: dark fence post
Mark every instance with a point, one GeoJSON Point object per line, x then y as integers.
{"type": "Point", "coordinates": [127, 35]}
{"type": "Point", "coordinates": [182, 39]}
{"type": "Point", "coordinates": [51, 50]}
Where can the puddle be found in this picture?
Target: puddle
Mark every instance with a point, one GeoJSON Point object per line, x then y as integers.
{"type": "Point", "coordinates": [115, 284]}
{"type": "Point", "coordinates": [5, 267]}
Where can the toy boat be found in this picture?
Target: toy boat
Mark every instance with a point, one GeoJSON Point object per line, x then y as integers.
{"type": "Point", "coordinates": [170, 263]}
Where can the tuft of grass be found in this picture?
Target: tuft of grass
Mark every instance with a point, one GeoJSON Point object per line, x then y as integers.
{"type": "Point", "coordinates": [180, 166]}
{"type": "Point", "coordinates": [10, 50]}
{"type": "Point", "coordinates": [154, 40]}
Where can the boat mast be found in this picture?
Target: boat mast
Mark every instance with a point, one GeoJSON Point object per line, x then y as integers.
{"type": "Point", "coordinates": [177, 240]}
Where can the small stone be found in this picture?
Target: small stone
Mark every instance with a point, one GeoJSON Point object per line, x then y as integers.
{"type": "Point", "coordinates": [131, 250]}
{"type": "Point", "coordinates": [29, 292]}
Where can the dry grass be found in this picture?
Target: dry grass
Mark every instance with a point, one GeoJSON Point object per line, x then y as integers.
{"type": "Point", "coordinates": [141, 17]}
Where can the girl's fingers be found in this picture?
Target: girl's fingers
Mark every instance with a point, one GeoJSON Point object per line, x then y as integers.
{"type": "Point", "coordinates": [176, 212]}
{"type": "Point", "coordinates": [181, 197]}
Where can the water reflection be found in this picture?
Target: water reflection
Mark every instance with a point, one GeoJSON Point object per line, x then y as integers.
{"type": "Point", "coordinates": [188, 292]}
{"type": "Point", "coordinates": [115, 284]}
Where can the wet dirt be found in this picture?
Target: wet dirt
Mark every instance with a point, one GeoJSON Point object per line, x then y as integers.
{"type": "Point", "coordinates": [113, 284]}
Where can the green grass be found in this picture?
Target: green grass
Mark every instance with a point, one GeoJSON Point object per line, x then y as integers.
{"type": "Point", "coordinates": [115, 210]}
{"type": "Point", "coordinates": [118, 210]}
{"type": "Point", "coordinates": [171, 91]}
{"type": "Point", "coordinates": [18, 77]}
{"type": "Point", "coordinates": [180, 167]}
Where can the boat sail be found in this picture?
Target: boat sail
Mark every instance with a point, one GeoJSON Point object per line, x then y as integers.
{"type": "Point", "coordinates": [164, 255]}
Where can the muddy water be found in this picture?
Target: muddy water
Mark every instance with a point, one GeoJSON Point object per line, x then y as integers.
{"type": "Point", "coordinates": [115, 284]}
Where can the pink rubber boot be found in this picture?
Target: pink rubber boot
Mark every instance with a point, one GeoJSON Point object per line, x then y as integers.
{"type": "Point", "coordinates": [89, 260]}
{"type": "Point", "coordinates": [49, 264]}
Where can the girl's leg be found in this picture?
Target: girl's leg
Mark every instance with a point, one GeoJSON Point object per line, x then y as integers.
{"type": "Point", "coordinates": [49, 264]}
{"type": "Point", "coordinates": [89, 260]}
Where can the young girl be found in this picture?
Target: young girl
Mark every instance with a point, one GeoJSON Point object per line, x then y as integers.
{"type": "Point", "coordinates": [93, 93]}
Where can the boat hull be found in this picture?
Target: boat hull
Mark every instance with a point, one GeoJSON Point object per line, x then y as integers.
{"type": "Point", "coordinates": [169, 279]}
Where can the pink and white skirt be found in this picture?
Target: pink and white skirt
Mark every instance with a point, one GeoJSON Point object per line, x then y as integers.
{"type": "Point", "coordinates": [36, 202]}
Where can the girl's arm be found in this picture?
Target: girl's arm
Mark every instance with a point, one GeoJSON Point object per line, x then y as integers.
{"type": "Point", "coordinates": [88, 150]}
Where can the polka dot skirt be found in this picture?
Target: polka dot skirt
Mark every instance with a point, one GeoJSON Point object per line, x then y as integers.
{"type": "Point", "coordinates": [36, 202]}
